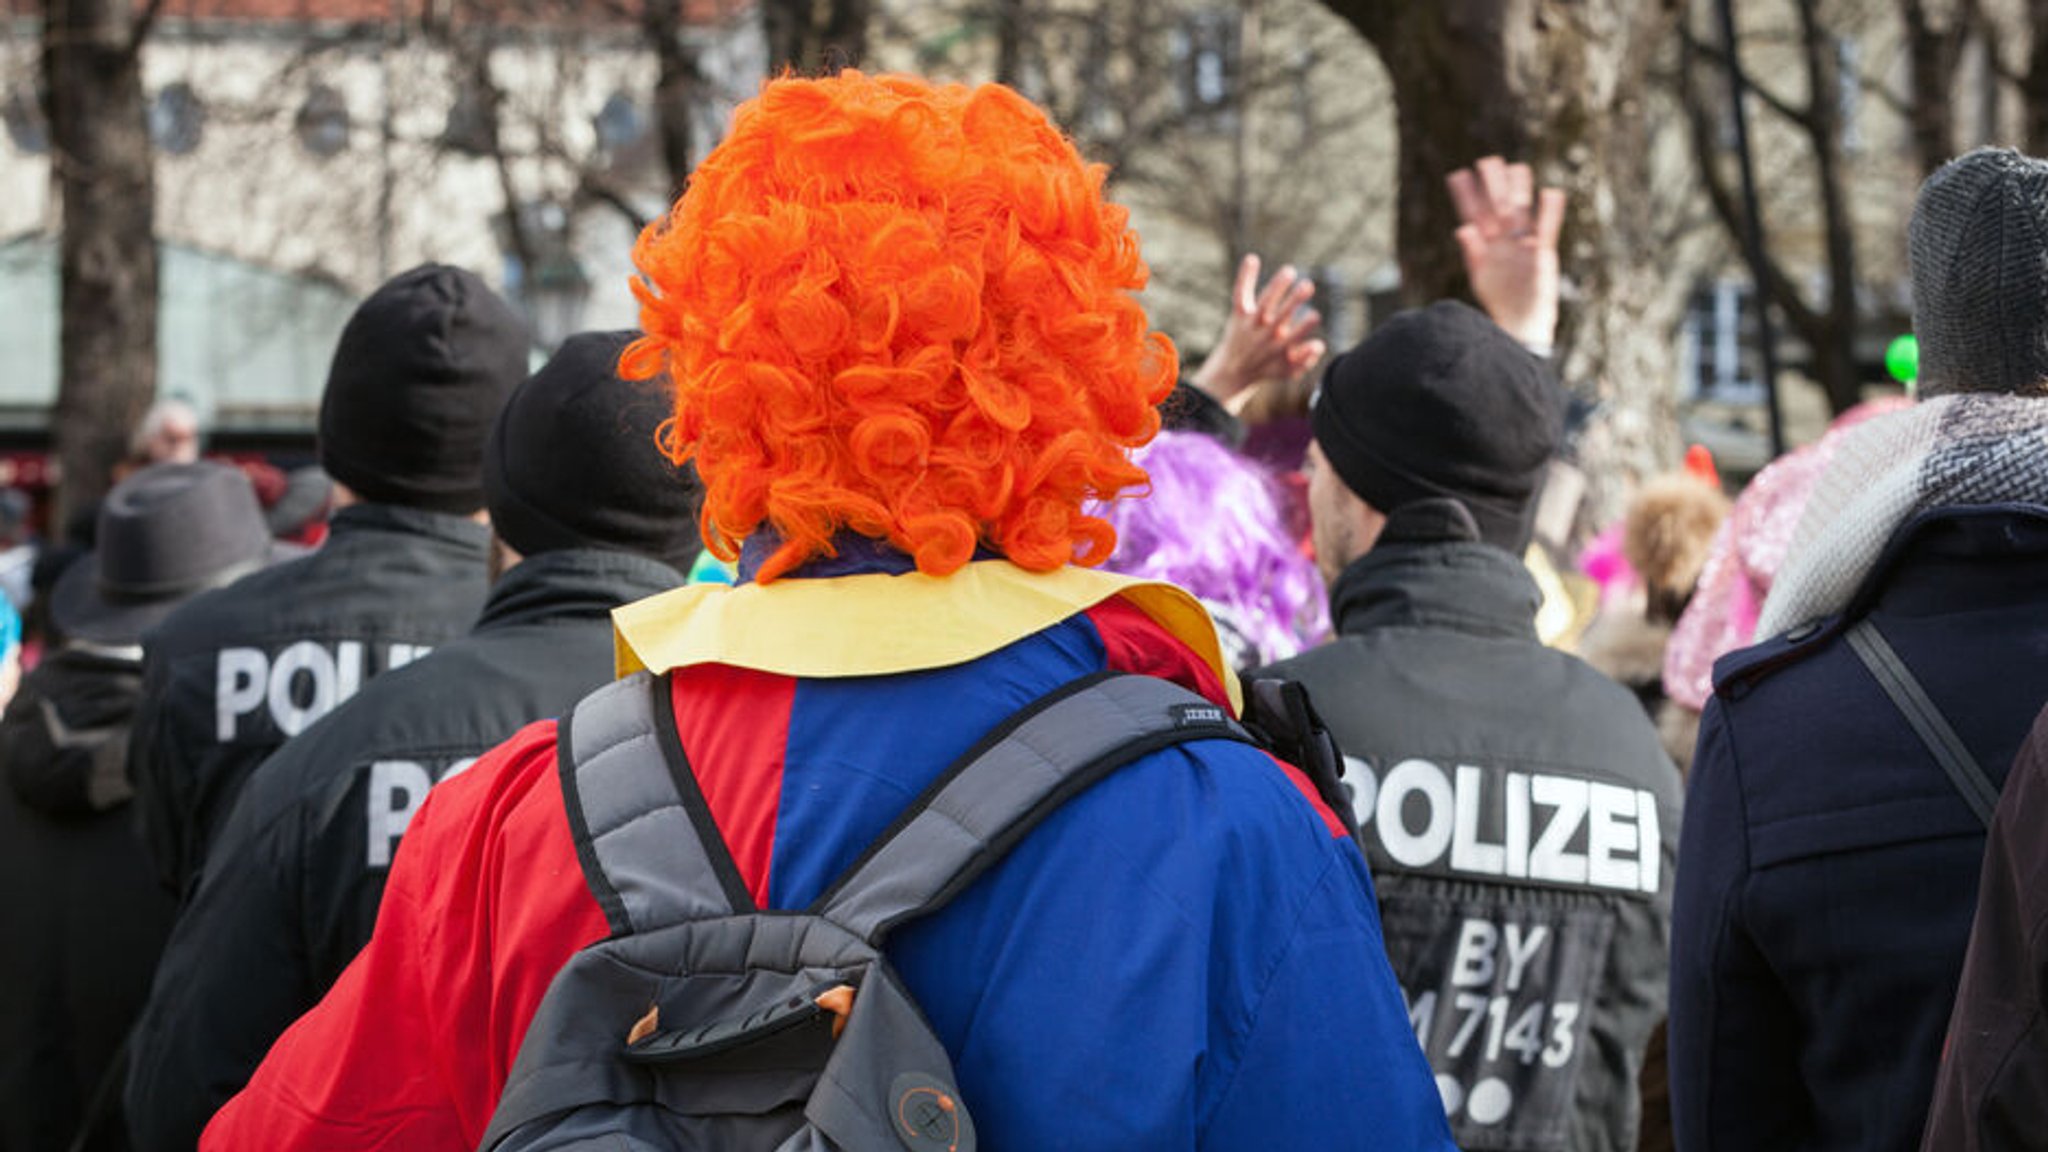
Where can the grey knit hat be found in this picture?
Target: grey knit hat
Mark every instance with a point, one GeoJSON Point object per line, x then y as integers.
{"type": "Point", "coordinates": [1978, 243]}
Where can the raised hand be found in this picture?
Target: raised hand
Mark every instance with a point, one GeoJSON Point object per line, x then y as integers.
{"type": "Point", "coordinates": [1508, 237]}
{"type": "Point", "coordinates": [1269, 337]}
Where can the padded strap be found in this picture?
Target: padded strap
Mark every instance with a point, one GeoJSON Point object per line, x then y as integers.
{"type": "Point", "coordinates": [644, 834]}
{"type": "Point", "coordinates": [991, 798]}
{"type": "Point", "coordinates": [1928, 723]}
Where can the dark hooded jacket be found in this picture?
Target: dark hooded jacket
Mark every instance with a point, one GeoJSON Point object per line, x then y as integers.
{"type": "Point", "coordinates": [231, 675]}
{"type": "Point", "coordinates": [291, 886]}
{"type": "Point", "coordinates": [1520, 817]}
{"type": "Point", "coordinates": [84, 919]}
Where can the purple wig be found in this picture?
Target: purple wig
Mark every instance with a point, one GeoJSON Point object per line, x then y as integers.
{"type": "Point", "coordinates": [1213, 523]}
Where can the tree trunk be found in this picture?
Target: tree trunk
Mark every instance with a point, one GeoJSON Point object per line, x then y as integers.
{"type": "Point", "coordinates": [815, 36]}
{"type": "Point", "coordinates": [99, 142]}
{"type": "Point", "coordinates": [1834, 342]}
{"type": "Point", "coordinates": [2034, 84]}
{"type": "Point", "coordinates": [1935, 54]}
{"type": "Point", "coordinates": [1560, 85]}
{"type": "Point", "coordinates": [1009, 41]}
{"type": "Point", "coordinates": [675, 84]}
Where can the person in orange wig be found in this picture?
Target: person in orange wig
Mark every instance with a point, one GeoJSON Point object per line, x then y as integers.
{"type": "Point", "coordinates": [899, 323]}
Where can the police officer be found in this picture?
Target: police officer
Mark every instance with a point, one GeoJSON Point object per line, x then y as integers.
{"type": "Point", "coordinates": [1516, 807]}
{"type": "Point", "coordinates": [421, 371]}
{"type": "Point", "coordinates": [588, 515]}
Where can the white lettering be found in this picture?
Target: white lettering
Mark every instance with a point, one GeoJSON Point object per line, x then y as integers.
{"type": "Point", "coordinates": [237, 688]}
{"type": "Point", "coordinates": [348, 665]}
{"type": "Point", "coordinates": [1652, 839]}
{"type": "Point", "coordinates": [1549, 860]}
{"type": "Point", "coordinates": [402, 654]}
{"type": "Point", "coordinates": [318, 665]}
{"type": "Point", "coordinates": [1520, 951]}
{"type": "Point", "coordinates": [1473, 965]}
{"type": "Point", "coordinates": [1517, 814]}
{"type": "Point", "coordinates": [1621, 825]}
{"type": "Point", "coordinates": [1610, 829]}
{"type": "Point", "coordinates": [1421, 1014]}
{"type": "Point", "coordinates": [397, 788]}
{"type": "Point", "coordinates": [1467, 853]}
{"type": "Point", "coordinates": [1412, 849]}
{"type": "Point", "coordinates": [1364, 786]}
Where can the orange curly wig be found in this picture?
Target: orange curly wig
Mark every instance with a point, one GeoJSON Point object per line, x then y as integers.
{"type": "Point", "coordinates": [905, 311]}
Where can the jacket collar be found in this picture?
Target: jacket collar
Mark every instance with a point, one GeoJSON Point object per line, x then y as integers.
{"type": "Point", "coordinates": [367, 518]}
{"type": "Point", "coordinates": [879, 624]}
{"type": "Point", "coordinates": [1460, 585]}
{"type": "Point", "coordinates": [573, 584]}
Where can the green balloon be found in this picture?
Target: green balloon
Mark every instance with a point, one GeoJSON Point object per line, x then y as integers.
{"type": "Point", "coordinates": [1902, 358]}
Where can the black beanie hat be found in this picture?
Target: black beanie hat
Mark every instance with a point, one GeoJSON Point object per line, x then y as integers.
{"type": "Point", "coordinates": [1440, 402]}
{"type": "Point", "coordinates": [418, 377]}
{"type": "Point", "coordinates": [573, 463]}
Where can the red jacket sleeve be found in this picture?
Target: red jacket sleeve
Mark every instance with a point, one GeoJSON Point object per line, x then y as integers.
{"type": "Point", "coordinates": [412, 1045]}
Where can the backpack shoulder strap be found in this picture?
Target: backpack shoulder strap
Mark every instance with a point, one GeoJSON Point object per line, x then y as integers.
{"type": "Point", "coordinates": [991, 798]}
{"type": "Point", "coordinates": [1928, 723]}
{"type": "Point", "coordinates": [650, 850]}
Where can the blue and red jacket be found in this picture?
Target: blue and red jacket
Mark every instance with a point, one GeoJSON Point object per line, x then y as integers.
{"type": "Point", "coordinates": [1187, 955]}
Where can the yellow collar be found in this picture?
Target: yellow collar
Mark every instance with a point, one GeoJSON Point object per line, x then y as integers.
{"type": "Point", "coordinates": [878, 625]}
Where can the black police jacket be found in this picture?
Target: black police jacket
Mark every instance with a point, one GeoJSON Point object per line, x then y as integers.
{"type": "Point", "coordinates": [1521, 820]}
{"type": "Point", "coordinates": [290, 889]}
{"type": "Point", "coordinates": [232, 674]}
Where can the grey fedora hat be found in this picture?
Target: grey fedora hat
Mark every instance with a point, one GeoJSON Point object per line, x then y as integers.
{"type": "Point", "coordinates": [166, 533]}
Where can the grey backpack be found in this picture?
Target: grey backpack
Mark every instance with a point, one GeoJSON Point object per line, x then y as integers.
{"type": "Point", "coordinates": [704, 1022]}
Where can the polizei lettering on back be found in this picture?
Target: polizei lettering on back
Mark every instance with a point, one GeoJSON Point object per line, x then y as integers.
{"type": "Point", "coordinates": [1490, 823]}
{"type": "Point", "coordinates": [300, 685]}
{"type": "Point", "coordinates": [397, 788]}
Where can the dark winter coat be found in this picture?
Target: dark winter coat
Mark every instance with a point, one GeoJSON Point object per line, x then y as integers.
{"type": "Point", "coordinates": [291, 886]}
{"type": "Point", "coordinates": [1830, 867]}
{"type": "Point", "coordinates": [1520, 818]}
{"type": "Point", "coordinates": [234, 673]}
{"type": "Point", "coordinates": [82, 918]}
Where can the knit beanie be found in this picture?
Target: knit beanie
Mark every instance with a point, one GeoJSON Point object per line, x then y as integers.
{"type": "Point", "coordinates": [573, 461]}
{"type": "Point", "coordinates": [419, 375]}
{"type": "Point", "coordinates": [1978, 243]}
{"type": "Point", "coordinates": [1440, 402]}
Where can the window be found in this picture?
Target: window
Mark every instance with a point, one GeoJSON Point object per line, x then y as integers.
{"type": "Point", "coordinates": [1204, 50]}
{"type": "Point", "coordinates": [469, 129]}
{"type": "Point", "coordinates": [620, 124]}
{"type": "Point", "coordinates": [323, 122]}
{"type": "Point", "coordinates": [1719, 356]}
{"type": "Point", "coordinates": [177, 119]}
{"type": "Point", "coordinates": [23, 114]}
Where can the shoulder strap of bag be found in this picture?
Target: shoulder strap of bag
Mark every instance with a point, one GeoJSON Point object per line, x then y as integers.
{"type": "Point", "coordinates": [1928, 723]}
{"type": "Point", "coordinates": [652, 853]}
{"type": "Point", "coordinates": [990, 799]}
{"type": "Point", "coordinates": [650, 850]}
{"type": "Point", "coordinates": [1278, 712]}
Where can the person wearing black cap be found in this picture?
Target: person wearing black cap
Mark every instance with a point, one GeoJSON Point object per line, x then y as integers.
{"type": "Point", "coordinates": [421, 370]}
{"type": "Point", "coordinates": [1516, 807]}
{"type": "Point", "coordinates": [588, 515]}
{"type": "Point", "coordinates": [84, 915]}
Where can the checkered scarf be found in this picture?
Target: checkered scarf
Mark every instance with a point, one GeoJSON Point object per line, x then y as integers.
{"type": "Point", "coordinates": [1956, 450]}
